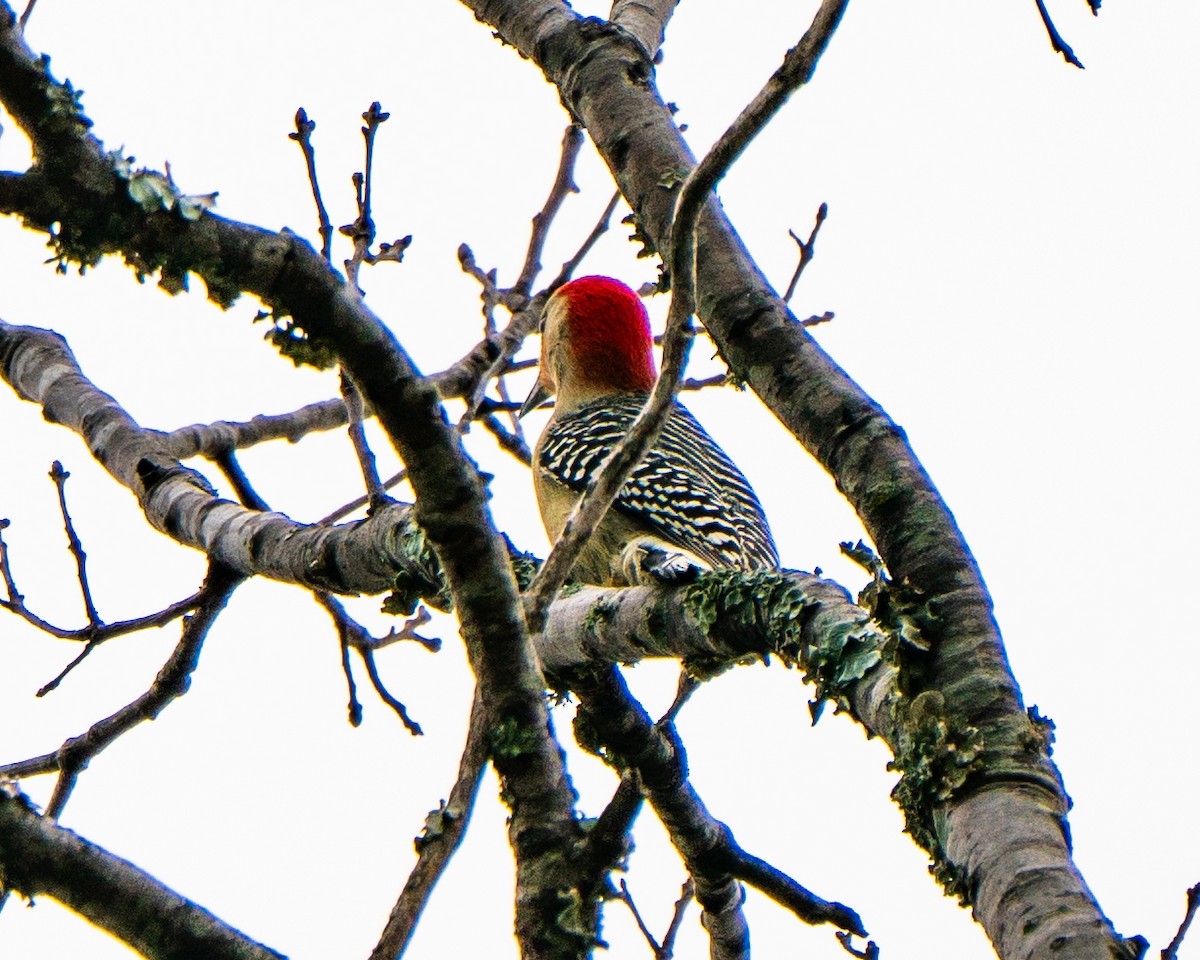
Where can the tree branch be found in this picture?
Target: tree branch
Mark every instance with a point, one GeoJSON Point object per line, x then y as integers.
{"type": "Point", "coordinates": [41, 858]}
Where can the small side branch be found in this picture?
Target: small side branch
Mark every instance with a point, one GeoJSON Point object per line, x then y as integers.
{"type": "Point", "coordinates": [59, 476]}
{"type": "Point", "coordinates": [303, 136]}
{"type": "Point", "coordinates": [807, 250]}
{"type": "Point", "coordinates": [376, 494]}
{"type": "Point", "coordinates": [564, 183]}
{"type": "Point", "coordinates": [362, 231]}
{"type": "Point", "coordinates": [15, 603]}
{"type": "Point", "coordinates": [666, 949]}
{"type": "Point", "coordinates": [352, 635]}
{"type": "Point", "coordinates": [712, 855]}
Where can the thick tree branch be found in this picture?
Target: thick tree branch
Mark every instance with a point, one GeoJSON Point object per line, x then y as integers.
{"type": "Point", "coordinates": [41, 858]}
{"type": "Point", "coordinates": [364, 556]}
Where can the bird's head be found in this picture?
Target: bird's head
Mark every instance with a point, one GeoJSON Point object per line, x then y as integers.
{"type": "Point", "coordinates": [595, 341]}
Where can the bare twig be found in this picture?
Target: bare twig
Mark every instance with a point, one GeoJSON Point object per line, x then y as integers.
{"type": "Point", "coordinates": [362, 231]}
{"type": "Point", "coordinates": [686, 896]}
{"type": "Point", "coordinates": [513, 443]}
{"type": "Point", "coordinates": [602, 224]}
{"type": "Point", "coordinates": [564, 183]}
{"type": "Point", "coordinates": [96, 632]}
{"type": "Point", "coordinates": [23, 21]}
{"type": "Point", "coordinates": [59, 476]}
{"type": "Point", "coordinates": [16, 604]}
{"type": "Point", "coordinates": [444, 831]}
{"type": "Point", "coordinates": [1056, 41]}
{"type": "Point", "coordinates": [376, 494]}
{"type": "Point", "coordinates": [666, 949]}
{"type": "Point", "coordinates": [1193, 903]}
{"type": "Point", "coordinates": [526, 310]}
{"type": "Point", "coordinates": [172, 682]}
{"type": "Point", "coordinates": [359, 502]}
{"type": "Point", "coordinates": [351, 634]}
{"type": "Point", "coordinates": [303, 136]}
{"type": "Point", "coordinates": [686, 686]}
{"type": "Point", "coordinates": [807, 249]}
{"type": "Point", "coordinates": [869, 952]}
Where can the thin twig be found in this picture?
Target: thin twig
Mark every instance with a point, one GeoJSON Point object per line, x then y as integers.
{"type": "Point", "coordinates": [351, 634]}
{"type": "Point", "coordinates": [1056, 41]}
{"type": "Point", "coordinates": [362, 231]}
{"type": "Point", "coordinates": [445, 828]}
{"type": "Point", "coordinates": [359, 502]}
{"type": "Point", "coordinates": [1193, 903]}
{"type": "Point", "coordinates": [869, 952]}
{"type": "Point", "coordinates": [686, 896]}
{"type": "Point", "coordinates": [512, 443]}
{"type": "Point", "coordinates": [569, 266]}
{"type": "Point", "coordinates": [303, 136]}
{"type": "Point", "coordinates": [15, 604]}
{"type": "Point", "coordinates": [807, 249]}
{"type": "Point", "coordinates": [376, 494]}
{"type": "Point", "coordinates": [172, 682]}
{"type": "Point", "coordinates": [59, 476]}
{"type": "Point", "coordinates": [564, 183]}
{"type": "Point", "coordinates": [23, 20]}
{"type": "Point", "coordinates": [627, 898]}
{"type": "Point", "coordinates": [526, 310]}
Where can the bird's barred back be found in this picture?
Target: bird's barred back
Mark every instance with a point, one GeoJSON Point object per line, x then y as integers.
{"type": "Point", "coordinates": [686, 488]}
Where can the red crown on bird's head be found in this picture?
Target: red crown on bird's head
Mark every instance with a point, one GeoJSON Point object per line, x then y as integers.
{"type": "Point", "coordinates": [609, 333]}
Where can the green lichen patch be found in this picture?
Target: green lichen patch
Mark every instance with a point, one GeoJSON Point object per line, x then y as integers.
{"type": "Point", "coordinates": [835, 651]}
{"type": "Point", "coordinates": [510, 739]}
{"type": "Point", "coordinates": [936, 754]}
{"type": "Point", "coordinates": [419, 579]}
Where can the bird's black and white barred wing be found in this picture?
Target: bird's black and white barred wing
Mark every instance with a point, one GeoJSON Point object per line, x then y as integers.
{"type": "Point", "coordinates": [686, 489]}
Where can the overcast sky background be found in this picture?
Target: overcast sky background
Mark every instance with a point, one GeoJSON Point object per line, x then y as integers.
{"type": "Point", "coordinates": [1010, 253]}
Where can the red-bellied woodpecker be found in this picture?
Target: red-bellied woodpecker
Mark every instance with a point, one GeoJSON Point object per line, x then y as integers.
{"type": "Point", "coordinates": [686, 505]}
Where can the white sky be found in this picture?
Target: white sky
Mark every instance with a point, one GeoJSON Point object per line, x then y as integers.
{"type": "Point", "coordinates": [1010, 256]}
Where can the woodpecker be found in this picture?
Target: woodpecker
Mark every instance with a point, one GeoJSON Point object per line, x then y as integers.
{"type": "Point", "coordinates": [686, 506]}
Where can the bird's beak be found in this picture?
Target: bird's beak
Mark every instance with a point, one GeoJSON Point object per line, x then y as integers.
{"type": "Point", "coordinates": [537, 396]}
